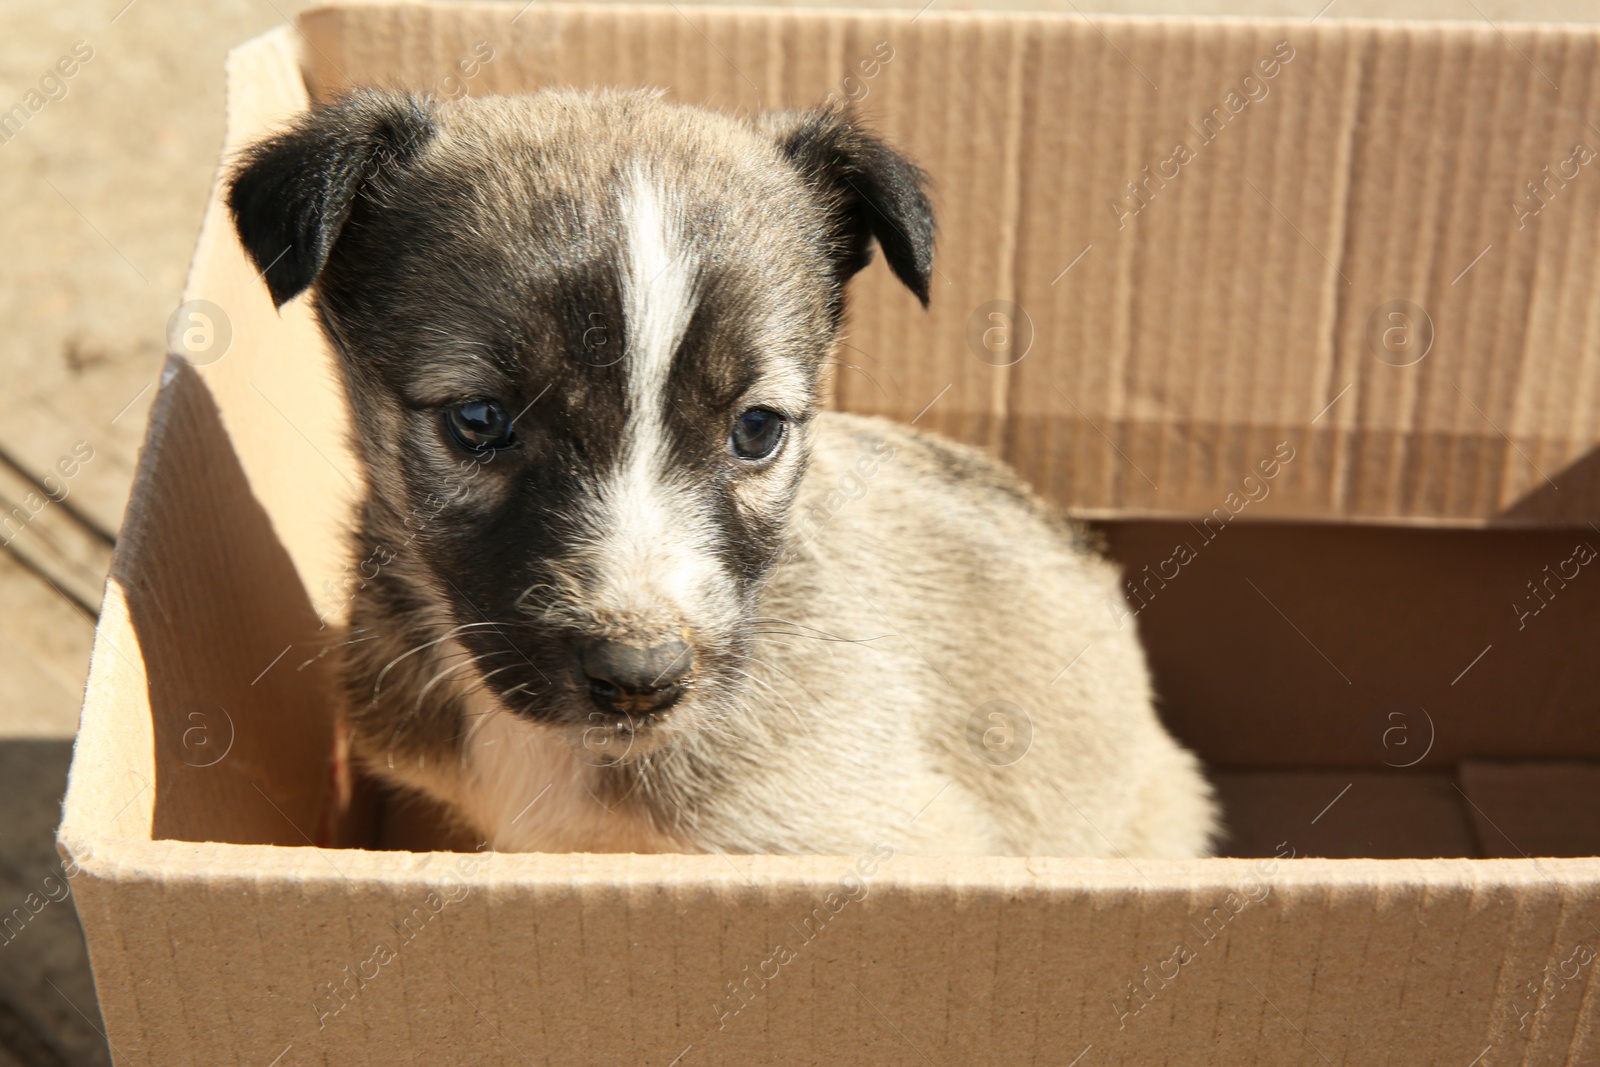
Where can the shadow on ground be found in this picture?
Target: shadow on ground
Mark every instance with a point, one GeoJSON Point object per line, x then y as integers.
{"type": "Point", "coordinates": [48, 1013]}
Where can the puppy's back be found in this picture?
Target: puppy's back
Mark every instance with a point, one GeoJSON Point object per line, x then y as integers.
{"type": "Point", "coordinates": [972, 624]}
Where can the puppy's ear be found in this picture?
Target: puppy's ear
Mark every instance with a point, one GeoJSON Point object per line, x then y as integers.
{"type": "Point", "coordinates": [291, 194]}
{"type": "Point", "coordinates": [873, 192]}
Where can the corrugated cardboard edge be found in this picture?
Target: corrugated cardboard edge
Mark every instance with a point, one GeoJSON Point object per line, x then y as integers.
{"type": "Point", "coordinates": [114, 736]}
{"type": "Point", "coordinates": [110, 858]}
{"type": "Point", "coordinates": [149, 906]}
{"type": "Point", "coordinates": [965, 955]}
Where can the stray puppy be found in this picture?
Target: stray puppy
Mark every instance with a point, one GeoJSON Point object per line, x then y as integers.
{"type": "Point", "coordinates": [617, 606]}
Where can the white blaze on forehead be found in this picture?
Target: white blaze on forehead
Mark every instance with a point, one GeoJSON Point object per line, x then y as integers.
{"type": "Point", "coordinates": [652, 550]}
{"type": "Point", "coordinates": [658, 294]}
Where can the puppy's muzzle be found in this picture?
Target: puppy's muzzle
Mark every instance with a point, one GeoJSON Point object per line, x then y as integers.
{"type": "Point", "coordinates": [628, 679]}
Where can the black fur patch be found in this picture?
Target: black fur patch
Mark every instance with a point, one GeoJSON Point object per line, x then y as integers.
{"type": "Point", "coordinates": [290, 195]}
{"type": "Point", "coordinates": [876, 193]}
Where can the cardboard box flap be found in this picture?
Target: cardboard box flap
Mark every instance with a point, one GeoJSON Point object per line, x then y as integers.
{"type": "Point", "coordinates": [1169, 245]}
{"type": "Point", "coordinates": [208, 713]}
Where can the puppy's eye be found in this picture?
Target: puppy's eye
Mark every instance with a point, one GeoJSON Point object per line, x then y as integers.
{"type": "Point", "coordinates": [480, 425]}
{"type": "Point", "coordinates": [756, 434]}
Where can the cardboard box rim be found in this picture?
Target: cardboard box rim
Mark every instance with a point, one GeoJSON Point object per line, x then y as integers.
{"type": "Point", "coordinates": [106, 829]}
{"type": "Point", "coordinates": [953, 9]}
{"type": "Point", "coordinates": [78, 826]}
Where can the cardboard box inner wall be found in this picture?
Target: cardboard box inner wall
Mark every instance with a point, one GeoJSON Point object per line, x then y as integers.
{"type": "Point", "coordinates": [1274, 301]}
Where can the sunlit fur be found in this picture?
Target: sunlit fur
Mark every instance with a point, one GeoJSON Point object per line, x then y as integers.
{"type": "Point", "coordinates": [627, 276]}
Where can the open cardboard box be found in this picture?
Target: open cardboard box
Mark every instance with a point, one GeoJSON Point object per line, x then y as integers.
{"type": "Point", "coordinates": [1395, 663]}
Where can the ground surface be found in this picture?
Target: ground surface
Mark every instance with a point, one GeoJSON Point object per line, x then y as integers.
{"type": "Point", "coordinates": [103, 190]}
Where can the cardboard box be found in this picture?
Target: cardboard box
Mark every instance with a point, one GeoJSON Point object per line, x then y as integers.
{"type": "Point", "coordinates": [1189, 340]}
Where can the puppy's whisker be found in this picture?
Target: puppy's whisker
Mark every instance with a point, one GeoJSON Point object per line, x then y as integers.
{"type": "Point", "coordinates": [821, 634]}
{"type": "Point", "coordinates": [788, 706]}
{"type": "Point", "coordinates": [322, 652]}
{"type": "Point", "coordinates": [820, 637]}
{"type": "Point", "coordinates": [351, 638]}
{"type": "Point", "coordinates": [491, 626]}
{"type": "Point", "coordinates": [468, 661]}
{"type": "Point", "coordinates": [377, 685]}
{"type": "Point", "coordinates": [497, 627]}
{"type": "Point", "coordinates": [416, 711]}
{"type": "Point", "coordinates": [522, 598]}
{"type": "Point", "coordinates": [498, 670]}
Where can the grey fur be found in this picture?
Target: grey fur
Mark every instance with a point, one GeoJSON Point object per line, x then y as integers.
{"type": "Point", "coordinates": [856, 604]}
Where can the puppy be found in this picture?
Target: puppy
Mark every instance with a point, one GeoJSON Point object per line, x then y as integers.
{"type": "Point", "coordinates": [630, 590]}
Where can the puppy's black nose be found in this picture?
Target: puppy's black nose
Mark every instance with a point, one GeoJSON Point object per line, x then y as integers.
{"type": "Point", "coordinates": [633, 680]}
